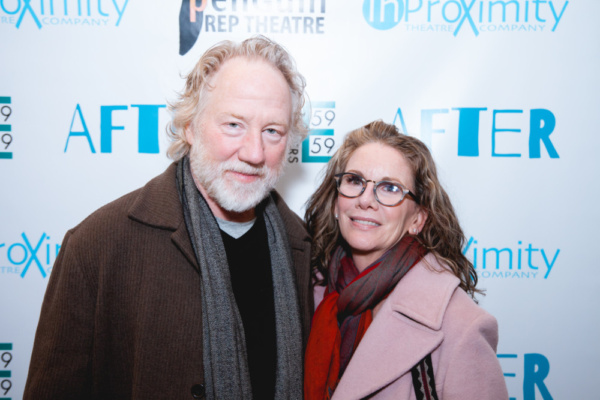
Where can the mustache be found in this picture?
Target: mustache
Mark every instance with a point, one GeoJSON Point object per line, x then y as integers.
{"type": "Point", "coordinates": [243, 168]}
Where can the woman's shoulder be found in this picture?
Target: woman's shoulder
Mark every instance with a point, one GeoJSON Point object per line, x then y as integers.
{"type": "Point", "coordinates": [430, 294]}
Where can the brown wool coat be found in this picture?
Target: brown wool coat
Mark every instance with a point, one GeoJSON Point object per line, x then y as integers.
{"type": "Point", "coordinates": [121, 317]}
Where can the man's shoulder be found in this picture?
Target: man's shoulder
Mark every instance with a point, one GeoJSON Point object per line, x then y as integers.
{"type": "Point", "coordinates": [139, 205]}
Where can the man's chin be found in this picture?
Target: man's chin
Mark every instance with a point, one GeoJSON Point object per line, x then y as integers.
{"type": "Point", "coordinates": [239, 197]}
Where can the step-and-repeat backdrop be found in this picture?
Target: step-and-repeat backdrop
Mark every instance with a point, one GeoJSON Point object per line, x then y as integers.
{"type": "Point", "coordinates": [505, 94]}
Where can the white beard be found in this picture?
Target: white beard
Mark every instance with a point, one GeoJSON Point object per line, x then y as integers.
{"type": "Point", "coordinates": [229, 193]}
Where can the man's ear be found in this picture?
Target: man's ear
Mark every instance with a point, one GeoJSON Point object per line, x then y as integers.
{"type": "Point", "coordinates": [189, 134]}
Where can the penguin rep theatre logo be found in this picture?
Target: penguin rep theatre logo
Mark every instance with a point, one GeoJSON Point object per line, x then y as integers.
{"type": "Point", "coordinates": [203, 17]}
{"type": "Point", "coordinates": [474, 16]}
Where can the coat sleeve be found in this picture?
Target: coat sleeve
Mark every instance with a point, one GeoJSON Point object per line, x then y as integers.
{"type": "Point", "coordinates": [473, 370]}
{"type": "Point", "coordinates": [60, 365]}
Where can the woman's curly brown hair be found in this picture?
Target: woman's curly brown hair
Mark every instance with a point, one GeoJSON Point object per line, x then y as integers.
{"type": "Point", "coordinates": [441, 235]}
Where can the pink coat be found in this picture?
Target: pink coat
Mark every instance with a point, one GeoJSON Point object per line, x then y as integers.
{"type": "Point", "coordinates": [427, 313]}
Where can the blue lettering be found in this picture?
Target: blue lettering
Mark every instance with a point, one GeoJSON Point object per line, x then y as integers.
{"type": "Point", "coordinates": [537, 9]}
{"type": "Point", "coordinates": [100, 9]}
{"type": "Point", "coordinates": [468, 131]}
{"type": "Point", "coordinates": [148, 127]}
{"type": "Point", "coordinates": [536, 369]}
{"type": "Point", "coordinates": [458, 11]}
{"type": "Point", "coordinates": [530, 250]}
{"type": "Point", "coordinates": [106, 127]}
{"type": "Point", "coordinates": [541, 125]}
{"type": "Point", "coordinates": [33, 255]}
{"type": "Point", "coordinates": [492, 249]}
{"type": "Point", "coordinates": [402, 124]}
{"type": "Point", "coordinates": [467, 15]}
{"type": "Point", "coordinates": [27, 7]}
{"type": "Point", "coordinates": [85, 131]}
{"type": "Point", "coordinates": [549, 265]}
{"type": "Point", "coordinates": [427, 124]}
{"type": "Point", "coordinates": [408, 9]}
{"type": "Point", "coordinates": [504, 4]}
{"type": "Point", "coordinates": [16, 10]}
{"type": "Point", "coordinates": [559, 16]}
{"type": "Point", "coordinates": [494, 130]}
{"type": "Point", "coordinates": [120, 11]}
{"type": "Point", "coordinates": [10, 252]}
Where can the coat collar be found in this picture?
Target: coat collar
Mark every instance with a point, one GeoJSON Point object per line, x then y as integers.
{"type": "Point", "coordinates": [158, 205]}
{"type": "Point", "coordinates": [404, 331]}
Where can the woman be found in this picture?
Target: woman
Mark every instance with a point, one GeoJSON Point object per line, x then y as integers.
{"type": "Point", "coordinates": [398, 319]}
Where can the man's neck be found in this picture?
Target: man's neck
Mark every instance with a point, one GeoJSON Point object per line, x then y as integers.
{"type": "Point", "coordinates": [220, 212]}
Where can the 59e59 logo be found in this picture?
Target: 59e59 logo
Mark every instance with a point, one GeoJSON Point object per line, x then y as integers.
{"type": "Point", "coordinates": [5, 374]}
{"type": "Point", "coordinates": [6, 137]}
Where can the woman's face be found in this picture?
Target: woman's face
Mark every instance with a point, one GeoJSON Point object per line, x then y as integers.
{"type": "Point", "coordinates": [368, 227]}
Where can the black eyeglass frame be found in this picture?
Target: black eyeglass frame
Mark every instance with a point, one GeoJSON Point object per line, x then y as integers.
{"type": "Point", "coordinates": [365, 181]}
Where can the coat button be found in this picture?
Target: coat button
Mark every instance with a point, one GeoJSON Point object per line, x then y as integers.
{"type": "Point", "coordinates": [198, 391]}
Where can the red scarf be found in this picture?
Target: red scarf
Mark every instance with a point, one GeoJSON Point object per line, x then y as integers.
{"type": "Point", "coordinates": [346, 312]}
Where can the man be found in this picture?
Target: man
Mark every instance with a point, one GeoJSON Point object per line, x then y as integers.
{"type": "Point", "coordinates": [198, 284]}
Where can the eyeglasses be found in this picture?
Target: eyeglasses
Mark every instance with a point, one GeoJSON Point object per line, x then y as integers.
{"type": "Point", "coordinates": [387, 193]}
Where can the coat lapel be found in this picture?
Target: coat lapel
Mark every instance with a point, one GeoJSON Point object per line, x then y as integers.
{"type": "Point", "coordinates": [158, 205]}
{"type": "Point", "coordinates": [404, 331]}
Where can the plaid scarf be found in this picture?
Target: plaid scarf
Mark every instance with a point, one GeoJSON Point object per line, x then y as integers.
{"type": "Point", "coordinates": [346, 312]}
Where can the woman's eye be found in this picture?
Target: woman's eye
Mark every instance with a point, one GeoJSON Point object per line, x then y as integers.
{"type": "Point", "coordinates": [389, 187]}
{"type": "Point", "coordinates": [354, 180]}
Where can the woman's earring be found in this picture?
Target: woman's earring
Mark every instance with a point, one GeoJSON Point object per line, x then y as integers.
{"type": "Point", "coordinates": [336, 216]}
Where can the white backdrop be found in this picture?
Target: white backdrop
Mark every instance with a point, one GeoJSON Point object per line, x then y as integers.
{"type": "Point", "coordinates": [503, 92]}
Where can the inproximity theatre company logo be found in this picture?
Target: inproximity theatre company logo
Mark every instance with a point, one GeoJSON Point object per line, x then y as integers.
{"type": "Point", "coordinates": [250, 17]}
{"type": "Point", "coordinates": [42, 13]}
{"type": "Point", "coordinates": [27, 255]}
{"type": "Point", "coordinates": [522, 260]}
{"type": "Point", "coordinates": [474, 16]}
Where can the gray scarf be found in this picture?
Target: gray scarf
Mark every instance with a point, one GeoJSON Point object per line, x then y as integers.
{"type": "Point", "coordinates": [226, 372]}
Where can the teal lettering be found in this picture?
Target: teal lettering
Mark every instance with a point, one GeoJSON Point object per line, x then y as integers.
{"type": "Point", "coordinates": [549, 265]}
{"type": "Point", "coordinates": [468, 131]}
{"type": "Point", "coordinates": [409, 10]}
{"type": "Point", "coordinates": [495, 250]}
{"type": "Point", "coordinates": [27, 7]}
{"type": "Point", "coordinates": [536, 369]}
{"type": "Point", "coordinates": [148, 127]}
{"type": "Point", "coordinates": [541, 125]}
{"type": "Point", "coordinates": [106, 127]}
{"type": "Point", "coordinates": [120, 11]}
{"type": "Point", "coordinates": [559, 16]}
{"type": "Point", "coordinates": [402, 124]}
{"type": "Point", "coordinates": [427, 130]}
{"type": "Point", "coordinates": [530, 250]}
{"type": "Point", "coordinates": [85, 132]}
{"type": "Point", "coordinates": [495, 130]}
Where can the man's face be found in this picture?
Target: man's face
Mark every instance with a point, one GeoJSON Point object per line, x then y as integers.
{"type": "Point", "coordinates": [239, 142]}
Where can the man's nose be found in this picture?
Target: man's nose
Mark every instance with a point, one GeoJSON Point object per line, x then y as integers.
{"type": "Point", "coordinates": [252, 150]}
